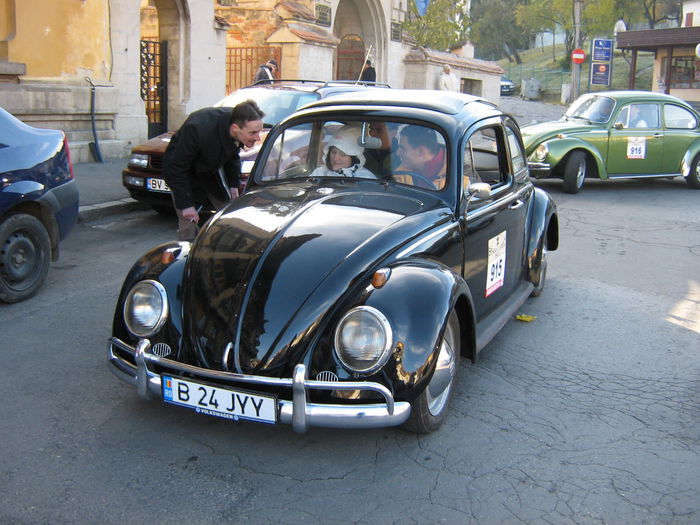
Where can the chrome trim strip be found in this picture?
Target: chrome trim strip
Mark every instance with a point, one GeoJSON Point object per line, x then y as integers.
{"type": "Point", "coordinates": [298, 412]}
{"type": "Point", "coordinates": [497, 203]}
{"type": "Point", "coordinates": [642, 176]}
{"type": "Point", "coordinates": [414, 246]}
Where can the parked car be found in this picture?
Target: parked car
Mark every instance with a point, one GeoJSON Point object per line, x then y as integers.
{"type": "Point", "coordinates": [278, 99]}
{"type": "Point", "coordinates": [38, 204]}
{"type": "Point", "coordinates": [321, 298]}
{"type": "Point", "coordinates": [617, 135]}
{"type": "Point", "coordinates": [507, 86]}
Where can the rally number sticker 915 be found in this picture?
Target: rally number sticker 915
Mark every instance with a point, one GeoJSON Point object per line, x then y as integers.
{"type": "Point", "coordinates": [496, 268]}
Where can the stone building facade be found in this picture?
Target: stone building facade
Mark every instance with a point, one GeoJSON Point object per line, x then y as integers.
{"type": "Point", "coordinates": [155, 61]}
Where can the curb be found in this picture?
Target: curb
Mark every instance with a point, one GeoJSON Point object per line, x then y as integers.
{"type": "Point", "coordinates": [103, 209]}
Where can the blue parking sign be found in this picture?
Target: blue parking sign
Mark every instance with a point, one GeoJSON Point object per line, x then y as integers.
{"type": "Point", "coordinates": [602, 50]}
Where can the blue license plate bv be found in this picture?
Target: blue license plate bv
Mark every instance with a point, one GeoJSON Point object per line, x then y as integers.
{"type": "Point", "coordinates": [219, 402]}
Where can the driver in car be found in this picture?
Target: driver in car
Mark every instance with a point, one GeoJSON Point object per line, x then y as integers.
{"type": "Point", "coordinates": [422, 158]}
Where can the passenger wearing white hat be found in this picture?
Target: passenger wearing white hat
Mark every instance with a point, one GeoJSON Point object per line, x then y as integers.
{"type": "Point", "coordinates": [343, 156]}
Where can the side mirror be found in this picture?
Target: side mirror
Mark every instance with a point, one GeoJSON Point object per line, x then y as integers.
{"type": "Point", "coordinates": [618, 125]}
{"type": "Point", "coordinates": [480, 190]}
{"type": "Point", "coordinates": [367, 141]}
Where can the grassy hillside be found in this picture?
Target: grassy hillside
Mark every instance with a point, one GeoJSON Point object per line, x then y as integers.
{"type": "Point", "coordinates": [544, 64]}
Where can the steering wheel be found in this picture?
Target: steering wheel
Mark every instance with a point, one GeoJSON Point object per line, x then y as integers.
{"type": "Point", "coordinates": [425, 182]}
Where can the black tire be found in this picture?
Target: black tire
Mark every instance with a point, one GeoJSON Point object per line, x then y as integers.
{"type": "Point", "coordinates": [575, 172]}
{"type": "Point", "coordinates": [429, 409]}
{"type": "Point", "coordinates": [25, 255]}
{"type": "Point", "coordinates": [543, 274]}
{"type": "Point", "coordinates": [693, 178]}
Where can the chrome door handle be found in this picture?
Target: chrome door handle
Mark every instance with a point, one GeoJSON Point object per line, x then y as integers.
{"type": "Point", "coordinates": [515, 205]}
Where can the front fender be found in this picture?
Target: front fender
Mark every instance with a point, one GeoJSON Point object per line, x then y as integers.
{"type": "Point", "coordinates": [417, 300]}
{"type": "Point", "coordinates": [690, 154]}
{"type": "Point", "coordinates": [166, 264]}
{"type": "Point", "coordinates": [543, 232]}
{"type": "Point", "coordinates": [560, 148]}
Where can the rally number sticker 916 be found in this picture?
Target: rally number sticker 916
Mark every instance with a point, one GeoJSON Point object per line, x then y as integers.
{"type": "Point", "coordinates": [636, 147]}
{"type": "Point", "coordinates": [496, 268]}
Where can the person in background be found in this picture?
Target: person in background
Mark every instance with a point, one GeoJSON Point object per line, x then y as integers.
{"type": "Point", "coordinates": [266, 71]}
{"type": "Point", "coordinates": [447, 81]}
{"type": "Point", "coordinates": [202, 164]}
{"type": "Point", "coordinates": [368, 73]}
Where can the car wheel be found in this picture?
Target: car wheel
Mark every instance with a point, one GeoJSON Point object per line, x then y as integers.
{"type": "Point", "coordinates": [693, 178]}
{"type": "Point", "coordinates": [429, 409]}
{"type": "Point", "coordinates": [542, 274]}
{"type": "Point", "coordinates": [25, 254]}
{"type": "Point", "coordinates": [575, 172]}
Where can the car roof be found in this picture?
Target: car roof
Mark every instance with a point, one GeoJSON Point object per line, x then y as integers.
{"type": "Point", "coordinates": [322, 87]}
{"type": "Point", "coordinates": [447, 102]}
{"type": "Point", "coordinates": [634, 95]}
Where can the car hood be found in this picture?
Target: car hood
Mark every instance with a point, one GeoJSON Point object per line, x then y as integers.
{"type": "Point", "coordinates": [537, 133]}
{"type": "Point", "coordinates": [154, 145]}
{"type": "Point", "coordinates": [266, 270]}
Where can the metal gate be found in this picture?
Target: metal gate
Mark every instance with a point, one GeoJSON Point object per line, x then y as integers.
{"type": "Point", "coordinates": [243, 62]}
{"type": "Point", "coordinates": [154, 84]}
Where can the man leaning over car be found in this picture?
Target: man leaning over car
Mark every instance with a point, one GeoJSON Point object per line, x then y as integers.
{"type": "Point", "coordinates": [202, 165]}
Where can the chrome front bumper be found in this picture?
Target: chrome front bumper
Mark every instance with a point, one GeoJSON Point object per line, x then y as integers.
{"type": "Point", "coordinates": [298, 412]}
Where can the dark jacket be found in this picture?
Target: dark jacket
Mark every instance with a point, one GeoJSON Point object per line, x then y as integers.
{"type": "Point", "coordinates": [369, 75]}
{"type": "Point", "coordinates": [263, 73]}
{"type": "Point", "coordinates": [196, 152]}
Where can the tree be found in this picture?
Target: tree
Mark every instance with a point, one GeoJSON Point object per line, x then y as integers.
{"type": "Point", "coordinates": [493, 30]}
{"type": "Point", "coordinates": [442, 26]}
{"type": "Point", "coordinates": [546, 15]}
{"type": "Point", "coordinates": [656, 11]}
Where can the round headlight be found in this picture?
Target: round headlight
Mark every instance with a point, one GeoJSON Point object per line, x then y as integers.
{"type": "Point", "coordinates": [541, 152]}
{"type": "Point", "coordinates": [145, 308]}
{"type": "Point", "coordinates": [363, 339]}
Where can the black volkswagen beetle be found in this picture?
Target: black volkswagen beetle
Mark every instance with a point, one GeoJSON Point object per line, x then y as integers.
{"type": "Point", "coordinates": [382, 235]}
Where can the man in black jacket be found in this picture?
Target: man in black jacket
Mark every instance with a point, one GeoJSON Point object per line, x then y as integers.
{"type": "Point", "coordinates": [202, 165]}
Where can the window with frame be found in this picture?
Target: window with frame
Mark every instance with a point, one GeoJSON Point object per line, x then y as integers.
{"type": "Point", "coordinates": [639, 116]}
{"type": "Point", "coordinates": [484, 159]}
{"type": "Point", "coordinates": [685, 72]}
{"type": "Point", "coordinates": [410, 154]}
{"type": "Point", "coordinates": [323, 15]}
{"type": "Point", "coordinates": [676, 117]}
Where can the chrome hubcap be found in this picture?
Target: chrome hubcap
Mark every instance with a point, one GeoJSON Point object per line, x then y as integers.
{"type": "Point", "coordinates": [438, 390]}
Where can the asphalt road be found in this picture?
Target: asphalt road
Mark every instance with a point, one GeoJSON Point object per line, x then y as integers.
{"type": "Point", "coordinates": [588, 414]}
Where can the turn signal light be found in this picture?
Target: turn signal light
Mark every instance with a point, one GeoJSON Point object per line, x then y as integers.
{"type": "Point", "coordinates": [380, 277]}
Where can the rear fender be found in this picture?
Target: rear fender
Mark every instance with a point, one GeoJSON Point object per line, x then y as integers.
{"type": "Point", "coordinates": [417, 299]}
{"type": "Point", "coordinates": [687, 162]}
{"type": "Point", "coordinates": [543, 232]}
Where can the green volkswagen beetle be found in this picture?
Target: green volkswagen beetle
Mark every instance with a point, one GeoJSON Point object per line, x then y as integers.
{"type": "Point", "coordinates": [617, 135]}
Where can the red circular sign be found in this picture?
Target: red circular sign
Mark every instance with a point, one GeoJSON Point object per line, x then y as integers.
{"type": "Point", "coordinates": [578, 56]}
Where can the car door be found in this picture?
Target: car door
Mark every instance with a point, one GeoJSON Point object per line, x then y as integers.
{"type": "Point", "coordinates": [494, 227]}
{"type": "Point", "coordinates": [636, 141]}
{"type": "Point", "coordinates": [680, 131]}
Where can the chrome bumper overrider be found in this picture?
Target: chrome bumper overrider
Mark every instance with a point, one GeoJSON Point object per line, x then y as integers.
{"type": "Point", "coordinates": [299, 412]}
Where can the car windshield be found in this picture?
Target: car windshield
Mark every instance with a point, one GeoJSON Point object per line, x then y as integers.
{"type": "Point", "coordinates": [594, 108]}
{"type": "Point", "coordinates": [277, 104]}
{"type": "Point", "coordinates": [384, 151]}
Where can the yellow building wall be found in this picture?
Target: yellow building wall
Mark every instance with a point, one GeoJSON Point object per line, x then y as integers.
{"type": "Point", "coordinates": [62, 40]}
